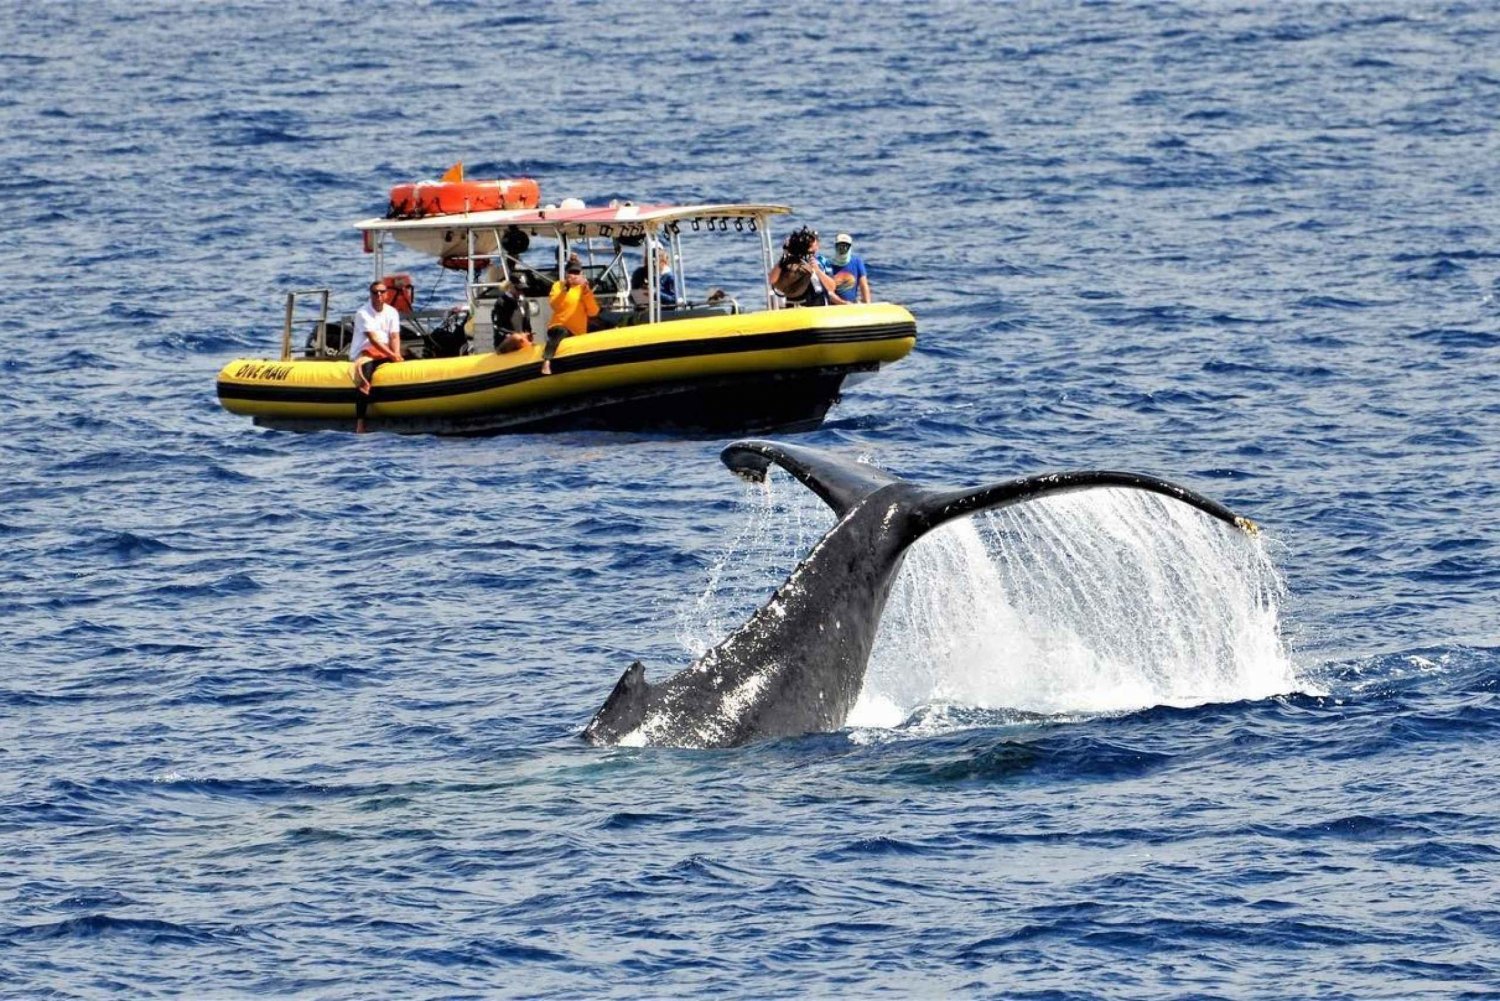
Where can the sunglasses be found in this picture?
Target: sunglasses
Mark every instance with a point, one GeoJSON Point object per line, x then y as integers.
{"type": "Point", "coordinates": [379, 291]}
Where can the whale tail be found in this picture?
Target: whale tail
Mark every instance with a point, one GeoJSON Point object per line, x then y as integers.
{"type": "Point", "coordinates": [785, 672]}
{"type": "Point", "coordinates": [624, 710]}
{"type": "Point", "coordinates": [843, 483]}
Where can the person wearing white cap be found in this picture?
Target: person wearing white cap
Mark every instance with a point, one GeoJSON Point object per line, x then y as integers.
{"type": "Point", "coordinates": [848, 270]}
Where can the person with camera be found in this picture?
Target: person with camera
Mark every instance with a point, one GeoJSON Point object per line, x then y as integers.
{"type": "Point", "coordinates": [800, 276]}
{"type": "Point", "coordinates": [573, 304]}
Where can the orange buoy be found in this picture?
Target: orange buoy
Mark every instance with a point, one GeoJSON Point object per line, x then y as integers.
{"type": "Point", "coordinates": [425, 198]}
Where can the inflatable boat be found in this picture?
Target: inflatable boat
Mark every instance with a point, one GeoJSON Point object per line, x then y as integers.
{"type": "Point", "coordinates": [658, 357]}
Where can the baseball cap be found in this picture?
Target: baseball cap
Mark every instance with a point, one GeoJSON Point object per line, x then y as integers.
{"type": "Point", "coordinates": [844, 238]}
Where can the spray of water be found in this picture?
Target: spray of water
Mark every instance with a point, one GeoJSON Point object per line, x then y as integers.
{"type": "Point", "coordinates": [1103, 601]}
{"type": "Point", "coordinates": [1097, 602]}
{"type": "Point", "coordinates": [780, 522]}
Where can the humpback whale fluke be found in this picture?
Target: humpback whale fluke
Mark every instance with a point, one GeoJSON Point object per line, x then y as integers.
{"type": "Point", "coordinates": [798, 664]}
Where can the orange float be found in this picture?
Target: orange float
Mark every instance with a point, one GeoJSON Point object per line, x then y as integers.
{"type": "Point", "coordinates": [459, 262]}
{"type": "Point", "coordinates": [428, 198]}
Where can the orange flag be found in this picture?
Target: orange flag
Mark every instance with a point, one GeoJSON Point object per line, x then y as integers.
{"type": "Point", "coordinates": [455, 173]}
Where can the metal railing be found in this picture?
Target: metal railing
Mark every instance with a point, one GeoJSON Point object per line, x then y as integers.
{"type": "Point", "coordinates": [291, 308]}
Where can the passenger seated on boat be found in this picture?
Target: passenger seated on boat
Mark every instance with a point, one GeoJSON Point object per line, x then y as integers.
{"type": "Point", "coordinates": [377, 336]}
{"type": "Point", "coordinates": [377, 340]}
{"type": "Point", "coordinates": [640, 296]}
{"type": "Point", "coordinates": [573, 304]}
{"type": "Point", "coordinates": [510, 321]}
{"type": "Point", "coordinates": [798, 275]}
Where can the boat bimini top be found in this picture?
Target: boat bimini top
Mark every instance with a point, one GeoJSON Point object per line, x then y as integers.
{"type": "Point", "coordinates": [474, 241]}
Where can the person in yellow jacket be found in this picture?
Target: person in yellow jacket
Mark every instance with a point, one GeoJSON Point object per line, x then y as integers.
{"type": "Point", "coordinates": [573, 305]}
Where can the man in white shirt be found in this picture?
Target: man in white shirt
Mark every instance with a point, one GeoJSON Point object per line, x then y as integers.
{"type": "Point", "coordinates": [377, 340]}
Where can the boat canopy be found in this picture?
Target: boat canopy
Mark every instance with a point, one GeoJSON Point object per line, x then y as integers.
{"type": "Point", "coordinates": [471, 241]}
{"type": "Point", "coordinates": [448, 235]}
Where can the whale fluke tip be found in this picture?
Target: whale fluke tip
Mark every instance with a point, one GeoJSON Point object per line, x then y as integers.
{"type": "Point", "coordinates": [623, 711]}
{"type": "Point", "coordinates": [748, 459]}
{"type": "Point", "coordinates": [841, 482]}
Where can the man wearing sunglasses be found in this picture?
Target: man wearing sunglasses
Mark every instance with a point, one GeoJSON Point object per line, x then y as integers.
{"type": "Point", "coordinates": [377, 340]}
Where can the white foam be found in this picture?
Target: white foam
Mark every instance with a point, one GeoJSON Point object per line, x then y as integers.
{"type": "Point", "coordinates": [1097, 602]}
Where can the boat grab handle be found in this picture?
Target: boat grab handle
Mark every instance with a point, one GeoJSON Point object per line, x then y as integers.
{"type": "Point", "coordinates": [291, 308]}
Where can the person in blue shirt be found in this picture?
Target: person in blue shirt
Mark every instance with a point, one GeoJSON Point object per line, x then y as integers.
{"type": "Point", "coordinates": [848, 270]}
{"type": "Point", "coordinates": [666, 283]}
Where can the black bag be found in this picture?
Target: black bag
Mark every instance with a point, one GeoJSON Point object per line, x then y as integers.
{"type": "Point", "coordinates": [447, 339]}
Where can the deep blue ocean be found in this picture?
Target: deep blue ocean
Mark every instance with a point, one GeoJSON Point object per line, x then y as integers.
{"type": "Point", "coordinates": [292, 715]}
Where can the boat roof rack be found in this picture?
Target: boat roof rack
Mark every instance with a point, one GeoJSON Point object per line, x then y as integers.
{"type": "Point", "coordinates": [624, 219]}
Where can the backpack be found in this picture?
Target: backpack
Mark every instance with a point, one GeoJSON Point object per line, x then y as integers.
{"type": "Point", "coordinates": [449, 338]}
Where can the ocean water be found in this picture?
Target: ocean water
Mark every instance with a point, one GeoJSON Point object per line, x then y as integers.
{"type": "Point", "coordinates": [296, 715]}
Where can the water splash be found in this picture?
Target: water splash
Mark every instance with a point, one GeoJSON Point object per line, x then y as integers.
{"type": "Point", "coordinates": [781, 521]}
{"type": "Point", "coordinates": [1098, 602]}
